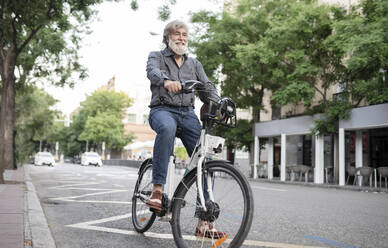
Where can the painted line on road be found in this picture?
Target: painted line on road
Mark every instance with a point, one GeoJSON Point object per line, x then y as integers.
{"type": "Point", "coordinates": [272, 189]}
{"type": "Point", "coordinates": [89, 225]}
{"type": "Point", "coordinates": [329, 242]}
{"type": "Point", "coordinates": [77, 184]}
{"type": "Point", "coordinates": [92, 201]}
{"type": "Point", "coordinates": [76, 198]}
{"type": "Point", "coordinates": [91, 194]}
{"type": "Point", "coordinates": [91, 189]}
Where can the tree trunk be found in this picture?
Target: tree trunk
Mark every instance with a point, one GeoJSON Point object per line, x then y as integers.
{"type": "Point", "coordinates": [256, 118]}
{"type": "Point", "coordinates": [230, 155]}
{"type": "Point", "coordinates": [7, 111]}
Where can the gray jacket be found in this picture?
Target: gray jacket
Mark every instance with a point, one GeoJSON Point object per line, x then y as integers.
{"type": "Point", "coordinates": [161, 65]}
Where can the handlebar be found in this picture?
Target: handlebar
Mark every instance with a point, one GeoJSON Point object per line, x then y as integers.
{"type": "Point", "coordinates": [221, 111]}
{"type": "Point", "coordinates": [190, 85]}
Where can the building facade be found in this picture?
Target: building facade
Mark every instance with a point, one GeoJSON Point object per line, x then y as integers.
{"type": "Point", "coordinates": [290, 150]}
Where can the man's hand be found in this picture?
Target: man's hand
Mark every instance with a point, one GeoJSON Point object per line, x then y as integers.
{"type": "Point", "coordinates": [172, 86]}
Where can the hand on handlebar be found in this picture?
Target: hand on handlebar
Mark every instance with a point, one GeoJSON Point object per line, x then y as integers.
{"type": "Point", "coordinates": [172, 86]}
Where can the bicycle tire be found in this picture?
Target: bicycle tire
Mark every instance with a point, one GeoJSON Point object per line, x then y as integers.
{"type": "Point", "coordinates": [142, 217]}
{"type": "Point", "coordinates": [236, 211]}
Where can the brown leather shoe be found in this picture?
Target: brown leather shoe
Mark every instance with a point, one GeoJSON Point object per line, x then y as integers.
{"type": "Point", "coordinates": [155, 201]}
{"type": "Point", "coordinates": [208, 231]}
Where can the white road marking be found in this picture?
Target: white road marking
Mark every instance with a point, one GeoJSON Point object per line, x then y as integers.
{"type": "Point", "coordinates": [76, 198]}
{"type": "Point", "coordinates": [91, 201]}
{"type": "Point", "coordinates": [91, 194]}
{"type": "Point", "coordinates": [89, 225]}
{"type": "Point", "coordinates": [90, 189]}
{"type": "Point", "coordinates": [77, 184]}
{"type": "Point", "coordinates": [265, 188]}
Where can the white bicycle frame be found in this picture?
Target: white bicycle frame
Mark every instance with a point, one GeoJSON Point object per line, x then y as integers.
{"type": "Point", "coordinates": [206, 144]}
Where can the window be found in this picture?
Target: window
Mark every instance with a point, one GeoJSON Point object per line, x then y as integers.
{"type": "Point", "coordinates": [131, 118]}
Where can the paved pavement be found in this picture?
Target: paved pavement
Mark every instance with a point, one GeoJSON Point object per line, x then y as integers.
{"type": "Point", "coordinates": [12, 210]}
{"type": "Point", "coordinates": [22, 221]}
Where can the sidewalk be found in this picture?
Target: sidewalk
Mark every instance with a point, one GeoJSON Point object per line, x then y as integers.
{"type": "Point", "coordinates": [22, 221]}
{"type": "Point", "coordinates": [323, 185]}
{"type": "Point", "coordinates": [12, 209]}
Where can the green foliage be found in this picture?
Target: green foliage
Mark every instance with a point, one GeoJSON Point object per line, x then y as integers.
{"type": "Point", "coordinates": [300, 51]}
{"type": "Point", "coordinates": [295, 93]}
{"type": "Point", "coordinates": [134, 5]}
{"type": "Point", "coordinates": [39, 38]}
{"type": "Point", "coordinates": [100, 119]}
{"type": "Point", "coordinates": [180, 152]}
{"type": "Point", "coordinates": [106, 127]}
{"type": "Point", "coordinates": [300, 37]}
{"type": "Point", "coordinates": [46, 37]}
{"type": "Point", "coordinates": [106, 100]}
{"type": "Point", "coordinates": [35, 121]}
{"type": "Point", "coordinates": [363, 36]}
{"type": "Point", "coordinates": [164, 11]}
{"type": "Point", "coordinates": [237, 138]}
{"type": "Point", "coordinates": [337, 110]}
{"type": "Point", "coordinates": [234, 51]}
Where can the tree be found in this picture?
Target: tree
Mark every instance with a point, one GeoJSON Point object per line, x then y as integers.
{"type": "Point", "coordinates": [363, 36]}
{"type": "Point", "coordinates": [312, 63]}
{"type": "Point", "coordinates": [232, 54]}
{"type": "Point", "coordinates": [237, 138]}
{"type": "Point", "coordinates": [34, 40]}
{"type": "Point", "coordinates": [106, 127]}
{"type": "Point", "coordinates": [100, 120]}
{"type": "Point", "coordinates": [164, 11]}
{"type": "Point", "coordinates": [34, 121]}
{"type": "Point", "coordinates": [325, 47]}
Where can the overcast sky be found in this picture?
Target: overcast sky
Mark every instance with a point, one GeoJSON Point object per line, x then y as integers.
{"type": "Point", "coordinates": [119, 45]}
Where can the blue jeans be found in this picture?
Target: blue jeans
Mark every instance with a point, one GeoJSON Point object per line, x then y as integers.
{"type": "Point", "coordinates": [164, 121]}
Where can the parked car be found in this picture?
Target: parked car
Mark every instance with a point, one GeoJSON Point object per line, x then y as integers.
{"type": "Point", "coordinates": [44, 158]}
{"type": "Point", "coordinates": [68, 160]}
{"type": "Point", "coordinates": [91, 158]}
{"type": "Point", "coordinates": [77, 160]}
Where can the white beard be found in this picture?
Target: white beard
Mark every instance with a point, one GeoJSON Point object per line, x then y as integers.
{"type": "Point", "coordinates": [180, 50]}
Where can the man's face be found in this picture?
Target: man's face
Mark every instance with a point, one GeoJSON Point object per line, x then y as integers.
{"type": "Point", "coordinates": [178, 41]}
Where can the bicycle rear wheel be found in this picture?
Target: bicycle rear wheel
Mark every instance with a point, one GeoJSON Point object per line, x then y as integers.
{"type": "Point", "coordinates": [142, 217]}
{"type": "Point", "coordinates": [232, 194]}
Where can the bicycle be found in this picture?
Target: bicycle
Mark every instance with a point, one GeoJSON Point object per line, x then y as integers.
{"type": "Point", "coordinates": [227, 203]}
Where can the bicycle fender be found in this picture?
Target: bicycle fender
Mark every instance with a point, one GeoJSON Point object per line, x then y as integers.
{"type": "Point", "coordinates": [218, 161]}
{"type": "Point", "coordinates": [145, 162]}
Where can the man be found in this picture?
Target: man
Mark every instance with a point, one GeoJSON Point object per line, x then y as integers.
{"type": "Point", "coordinates": [172, 109]}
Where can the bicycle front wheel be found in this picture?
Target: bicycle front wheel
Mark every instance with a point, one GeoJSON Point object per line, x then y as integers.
{"type": "Point", "coordinates": [234, 201]}
{"type": "Point", "coordinates": [142, 217]}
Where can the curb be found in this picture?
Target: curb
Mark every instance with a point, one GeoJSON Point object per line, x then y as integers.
{"type": "Point", "coordinates": [326, 186]}
{"type": "Point", "coordinates": [37, 232]}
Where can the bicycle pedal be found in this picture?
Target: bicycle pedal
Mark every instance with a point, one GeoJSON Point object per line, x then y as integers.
{"type": "Point", "coordinates": [166, 218]}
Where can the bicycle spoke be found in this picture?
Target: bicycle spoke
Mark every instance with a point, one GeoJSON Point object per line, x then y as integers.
{"type": "Point", "coordinates": [229, 228]}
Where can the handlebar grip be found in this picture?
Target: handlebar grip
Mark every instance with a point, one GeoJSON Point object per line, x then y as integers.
{"type": "Point", "coordinates": [190, 85]}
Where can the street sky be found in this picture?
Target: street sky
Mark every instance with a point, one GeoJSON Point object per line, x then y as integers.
{"type": "Point", "coordinates": [120, 44]}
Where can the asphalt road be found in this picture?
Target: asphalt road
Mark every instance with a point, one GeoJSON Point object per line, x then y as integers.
{"type": "Point", "coordinates": [90, 207]}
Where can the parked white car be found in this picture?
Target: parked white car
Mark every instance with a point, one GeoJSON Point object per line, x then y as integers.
{"type": "Point", "coordinates": [91, 158]}
{"type": "Point", "coordinates": [44, 158]}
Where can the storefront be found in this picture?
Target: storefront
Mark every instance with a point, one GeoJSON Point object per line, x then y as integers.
{"type": "Point", "coordinates": [361, 141]}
